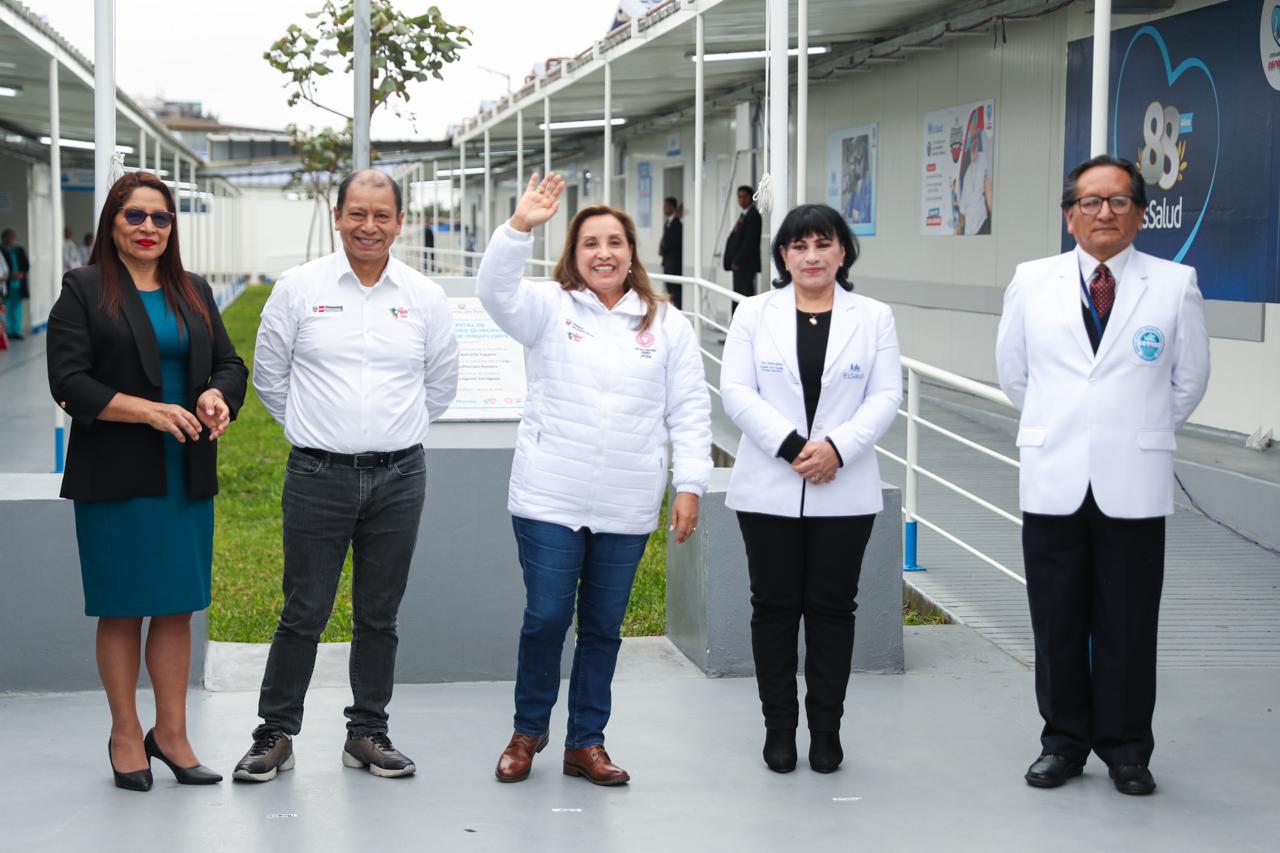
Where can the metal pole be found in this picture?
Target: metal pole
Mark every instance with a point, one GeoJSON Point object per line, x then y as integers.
{"type": "Point", "coordinates": [488, 195]}
{"type": "Point", "coordinates": [546, 170]}
{"type": "Point", "coordinates": [909, 561]}
{"type": "Point", "coordinates": [55, 190]}
{"type": "Point", "coordinates": [1101, 77]}
{"type": "Point", "coordinates": [435, 208]}
{"type": "Point", "coordinates": [193, 206]}
{"type": "Point", "coordinates": [159, 167]}
{"type": "Point", "coordinates": [462, 202]}
{"type": "Point", "coordinates": [104, 99]}
{"type": "Point", "coordinates": [608, 132]}
{"type": "Point", "coordinates": [779, 110]}
{"type": "Point", "coordinates": [142, 147]}
{"type": "Point", "coordinates": [177, 179]}
{"type": "Point", "coordinates": [699, 142]}
{"type": "Point", "coordinates": [802, 99]}
{"type": "Point", "coordinates": [520, 178]}
{"type": "Point", "coordinates": [363, 84]}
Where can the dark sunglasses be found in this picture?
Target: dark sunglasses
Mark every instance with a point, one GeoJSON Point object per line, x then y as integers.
{"type": "Point", "coordinates": [160, 218]}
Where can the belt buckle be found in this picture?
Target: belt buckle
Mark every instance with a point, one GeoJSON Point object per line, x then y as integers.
{"type": "Point", "coordinates": [359, 460]}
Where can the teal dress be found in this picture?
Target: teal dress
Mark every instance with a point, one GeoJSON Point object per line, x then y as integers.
{"type": "Point", "coordinates": [150, 556]}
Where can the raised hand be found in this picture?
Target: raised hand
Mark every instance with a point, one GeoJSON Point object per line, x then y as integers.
{"type": "Point", "coordinates": [539, 203]}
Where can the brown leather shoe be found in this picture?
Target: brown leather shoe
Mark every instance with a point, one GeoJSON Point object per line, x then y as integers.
{"type": "Point", "coordinates": [517, 759]}
{"type": "Point", "coordinates": [593, 763]}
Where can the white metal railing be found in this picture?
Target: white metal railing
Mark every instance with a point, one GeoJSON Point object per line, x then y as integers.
{"type": "Point", "coordinates": [700, 296]}
{"type": "Point", "coordinates": [910, 510]}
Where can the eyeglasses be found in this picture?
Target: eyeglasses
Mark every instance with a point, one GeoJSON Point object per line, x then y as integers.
{"type": "Point", "coordinates": [1091, 205]}
{"type": "Point", "coordinates": [160, 218]}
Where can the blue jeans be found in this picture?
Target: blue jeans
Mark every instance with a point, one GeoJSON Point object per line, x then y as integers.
{"type": "Point", "coordinates": [561, 565]}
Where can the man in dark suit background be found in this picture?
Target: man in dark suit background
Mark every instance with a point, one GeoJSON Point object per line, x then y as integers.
{"type": "Point", "coordinates": [742, 249]}
{"type": "Point", "coordinates": [671, 249]}
{"type": "Point", "coordinates": [428, 244]}
{"type": "Point", "coordinates": [17, 291]}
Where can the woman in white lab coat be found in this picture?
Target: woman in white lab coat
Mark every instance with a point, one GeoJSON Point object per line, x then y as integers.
{"type": "Point", "coordinates": [812, 377]}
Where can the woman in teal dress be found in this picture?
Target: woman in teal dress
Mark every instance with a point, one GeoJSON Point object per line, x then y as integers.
{"type": "Point", "coordinates": [138, 356]}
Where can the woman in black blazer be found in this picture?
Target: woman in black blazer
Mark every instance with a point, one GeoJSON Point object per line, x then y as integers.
{"type": "Point", "coordinates": [140, 359]}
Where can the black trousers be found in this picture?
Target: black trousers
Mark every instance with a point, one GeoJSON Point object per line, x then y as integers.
{"type": "Point", "coordinates": [803, 567]}
{"type": "Point", "coordinates": [375, 511]}
{"type": "Point", "coordinates": [744, 283]}
{"type": "Point", "coordinates": [1093, 583]}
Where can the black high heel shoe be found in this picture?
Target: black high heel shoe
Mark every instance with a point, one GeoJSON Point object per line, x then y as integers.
{"type": "Point", "coordinates": [136, 780]}
{"type": "Point", "coordinates": [198, 775]}
{"type": "Point", "coordinates": [780, 750]}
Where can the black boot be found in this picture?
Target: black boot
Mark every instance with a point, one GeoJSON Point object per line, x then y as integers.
{"type": "Point", "coordinates": [825, 753]}
{"type": "Point", "coordinates": [780, 750]}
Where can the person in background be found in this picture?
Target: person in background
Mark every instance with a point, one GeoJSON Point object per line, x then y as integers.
{"type": "Point", "coordinates": [615, 375]}
{"type": "Point", "coordinates": [18, 289]}
{"type": "Point", "coordinates": [355, 358]}
{"type": "Point", "coordinates": [429, 245]}
{"type": "Point", "coordinates": [812, 377]}
{"type": "Point", "coordinates": [139, 358]}
{"type": "Point", "coordinates": [86, 249]}
{"type": "Point", "coordinates": [742, 249]}
{"type": "Point", "coordinates": [71, 257]}
{"type": "Point", "coordinates": [671, 249]}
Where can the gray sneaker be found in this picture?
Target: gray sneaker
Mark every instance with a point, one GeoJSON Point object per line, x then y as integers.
{"type": "Point", "coordinates": [375, 752]}
{"type": "Point", "coordinates": [272, 751]}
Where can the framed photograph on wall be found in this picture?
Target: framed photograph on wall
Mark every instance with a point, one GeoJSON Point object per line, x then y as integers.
{"type": "Point", "coordinates": [851, 176]}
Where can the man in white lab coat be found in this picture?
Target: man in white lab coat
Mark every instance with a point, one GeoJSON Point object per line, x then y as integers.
{"type": "Point", "coordinates": [1105, 352]}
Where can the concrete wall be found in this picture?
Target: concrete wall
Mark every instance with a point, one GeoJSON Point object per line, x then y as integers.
{"type": "Point", "coordinates": [709, 595]}
{"type": "Point", "coordinates": [461, 614]}
{"type": "Point", "coordinates": [273, 231]}
{"type": "Point", "coordinates": [46, 641]}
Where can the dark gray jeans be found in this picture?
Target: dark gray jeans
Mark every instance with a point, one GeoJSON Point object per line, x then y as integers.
{"type": "Point", "coordinates": [326, 508]}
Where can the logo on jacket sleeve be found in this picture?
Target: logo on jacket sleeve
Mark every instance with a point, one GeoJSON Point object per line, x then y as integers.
{"type": "Point", "coordinates": [1148, 343]}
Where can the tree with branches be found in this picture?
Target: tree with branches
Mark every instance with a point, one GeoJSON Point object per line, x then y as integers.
{"type": "Point", "coordinates": [404, 50]}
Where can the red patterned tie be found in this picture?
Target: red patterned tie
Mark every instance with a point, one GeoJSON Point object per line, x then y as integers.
{"type": "Point", "coordinates": [1102, 288]}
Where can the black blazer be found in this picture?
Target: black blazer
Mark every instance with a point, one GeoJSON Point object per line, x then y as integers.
{"type": "Point", "coordinates": [92, 357]}
{"type": "Point", "coordinates": [743, 246]}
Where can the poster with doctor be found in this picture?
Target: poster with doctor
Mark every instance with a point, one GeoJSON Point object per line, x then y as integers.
{"type": "Point", "coordinates": [959, 169]}
{"type": "Point", "coordinates": [851, 176]}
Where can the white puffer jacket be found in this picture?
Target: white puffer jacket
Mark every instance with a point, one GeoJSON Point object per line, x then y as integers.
{"type": "Point", "coordinates": [604, 400]}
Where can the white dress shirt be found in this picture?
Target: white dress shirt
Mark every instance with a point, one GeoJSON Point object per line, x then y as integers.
{"type": "Point", "coordinates": [350, 369]}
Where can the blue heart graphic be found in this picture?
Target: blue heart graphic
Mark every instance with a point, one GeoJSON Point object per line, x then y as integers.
{"type": "Point", "coordinates": [1171, 75]}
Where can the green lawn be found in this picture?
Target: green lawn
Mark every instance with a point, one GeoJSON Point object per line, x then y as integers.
{"type": "Point", "coordinates": [247, 550]}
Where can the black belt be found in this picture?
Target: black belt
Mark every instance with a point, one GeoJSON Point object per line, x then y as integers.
{"type": "Point", "coordinates": [372, 459]}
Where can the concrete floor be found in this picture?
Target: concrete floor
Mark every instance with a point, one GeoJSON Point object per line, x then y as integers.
{"type": "Point", "coordinates": [934, 760]}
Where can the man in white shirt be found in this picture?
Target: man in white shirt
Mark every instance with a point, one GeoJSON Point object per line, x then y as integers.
{"type": "Point", "coordinates": [1104, 350]}
{"type": "Point", "coordinates": [355, 357]}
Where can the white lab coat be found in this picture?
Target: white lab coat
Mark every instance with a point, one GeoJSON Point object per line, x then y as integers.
{"type": "Point", "coordinates": [1106, 420]}
{"type": "Point", "coordinates": [861, 392]}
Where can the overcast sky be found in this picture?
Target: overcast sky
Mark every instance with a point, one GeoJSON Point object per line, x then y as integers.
{"type": "Point", "coordinates": [212, 52]}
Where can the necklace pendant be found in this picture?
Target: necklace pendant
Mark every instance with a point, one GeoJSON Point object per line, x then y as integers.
{"type": "Point", "coordinates": [813, 320]}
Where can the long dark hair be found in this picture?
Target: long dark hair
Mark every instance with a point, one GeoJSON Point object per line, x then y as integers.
{"type": "Point", "coordinates": [566, 271]}
{"type": "Point", "coordinates": [174, 281]}
{"type": "Point", "coordinates": [814, 220]}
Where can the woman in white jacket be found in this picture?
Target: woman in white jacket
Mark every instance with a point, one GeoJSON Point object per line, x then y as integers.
{"type": "Point", "coordinates": [614, 375]}
{"type": "Point", "coordinates": [812, 377]}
